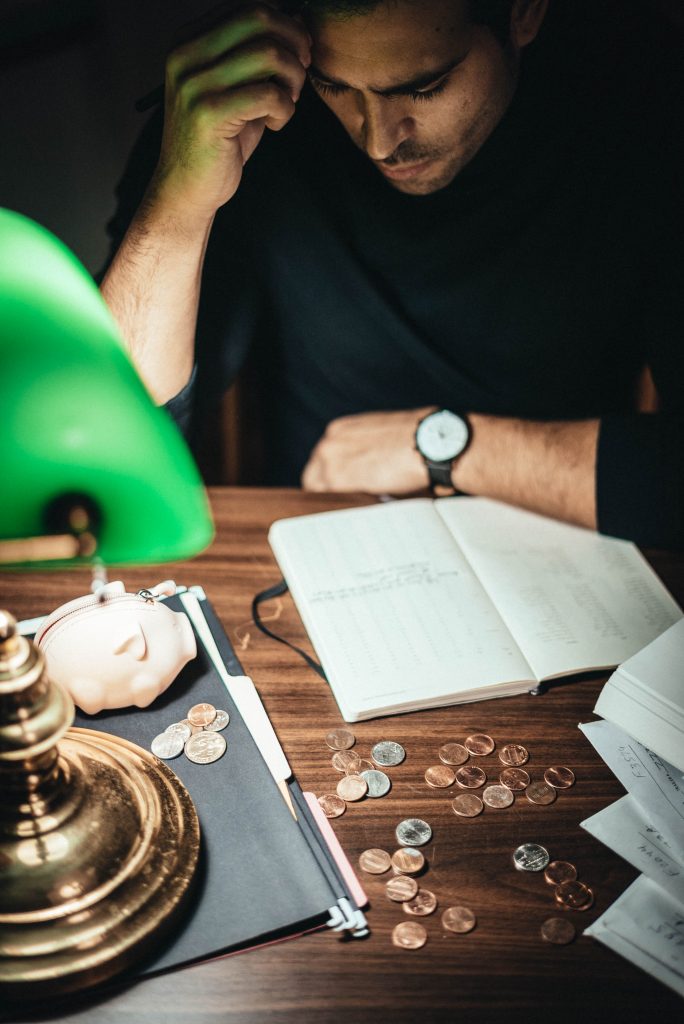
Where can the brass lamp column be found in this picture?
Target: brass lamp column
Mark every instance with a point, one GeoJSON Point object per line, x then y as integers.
{"type": "Point", "coordinates": [98, 839]}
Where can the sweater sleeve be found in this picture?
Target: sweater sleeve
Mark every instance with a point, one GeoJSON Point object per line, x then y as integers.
{"type": "Point", "coordinates": [640, 478]}
{"type": "Point", "coordinates": [181, 406]}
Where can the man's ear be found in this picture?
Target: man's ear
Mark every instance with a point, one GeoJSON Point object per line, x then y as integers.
{"type": "Point", "coordinates": [526, 20]}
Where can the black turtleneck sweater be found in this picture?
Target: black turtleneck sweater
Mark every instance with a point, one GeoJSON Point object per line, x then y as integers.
{"type": "Point", "coordinates": [536, 285]}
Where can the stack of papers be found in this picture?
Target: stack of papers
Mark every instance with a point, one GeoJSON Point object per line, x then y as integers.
{"type": "Point", "coordinates": [646, 827]}
{"type": "Point", "coordinates": [645, 696]}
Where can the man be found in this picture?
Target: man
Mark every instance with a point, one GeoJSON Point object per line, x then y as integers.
{"type": "Point", "coordinates": [482, 221]}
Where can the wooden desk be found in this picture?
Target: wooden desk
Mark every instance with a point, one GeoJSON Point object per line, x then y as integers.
{"type": "Point", "coordinates": [502, 970]}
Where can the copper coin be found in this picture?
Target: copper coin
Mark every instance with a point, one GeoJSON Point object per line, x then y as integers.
{"type": "Point", "coordinates": [467, 805]}
{"type": "Point", "coordinates": [497, 796]}
{"type": "Point", "coordinates": [407, 861]}
{"type": "Point", "coordinates": [340, 739]}
{"type": "Point", "coordinates": [470, 777]}
{"type": "Point", "coordinates": [453, 753]}
{"type": "Point", "coordinates": [401, 888]}
{"type": "Point", "coordinates": [479, 744]}
{"type": "Point", "coordinates": [202, 714]}
{"type": "Point", "coordinates": [559, 930]}
{"type": "Point", "coordinates": [515, 779]}
{"type": "Point", "coordinates": [342, 760]}
{"type": "Point", "coordinates": [573, 895]}
{"type": "Point", "coordinates": [560, 871]}
{"type": "Point", "coordinates": [332, 805]}
{"type": "Point", "coordinates": [375, 862]}
{"type": "Point", "coordinates": [409, 935]}
{"type": "Point", "coordinates": [362, 765]}
{"type": "Point", "coordinates": [422, 904]}
{"type": "Point", "coordinates": [540, 793]}
{"type": "Point", "coordinates": [513, 755]}
{"type": "Point", "coordinates": [352, 787]}
{"type": "Point", "coordinates": [439, 776]}
{"type": "Point", "coordinates": [559, 777]}
{"type": "Point", "coordinates": [458, 919]}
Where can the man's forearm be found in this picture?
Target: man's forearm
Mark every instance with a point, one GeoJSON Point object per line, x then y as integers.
{"type": "Point", "coordinates": [152, 289]}
{"type": "Point", "coordinates": [546, 467]}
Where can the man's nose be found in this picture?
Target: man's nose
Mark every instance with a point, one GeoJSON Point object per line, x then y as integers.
{"type": "Point", "coordinates": [383, 128]}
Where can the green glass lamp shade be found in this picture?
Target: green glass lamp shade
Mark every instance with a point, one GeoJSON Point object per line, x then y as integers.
{"type": "Point", "coordinates": [75, 417]}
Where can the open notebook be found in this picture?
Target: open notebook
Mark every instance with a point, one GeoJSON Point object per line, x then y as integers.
{"type": "Point", "coordinates": [418, 603]}
{"type": "Point", "coordinates": [263, 875]}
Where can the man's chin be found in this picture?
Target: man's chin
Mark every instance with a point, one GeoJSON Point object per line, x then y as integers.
{"type": "Point", "coordinates": [419, 179]}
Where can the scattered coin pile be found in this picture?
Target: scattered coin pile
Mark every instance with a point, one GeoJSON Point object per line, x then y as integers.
{"type": "Point", "coordinates": [364, 778]}
{"type": "Point", "coordinates": [568, 892]}
{"type": "Point", "coordinates": [512, 777]}
{"type": "Point", "coordinates": [406, 863]}
{"type": "Point", "coordinates": [198, 736]}
{"type": "Point", "coordinates": [361, 777]}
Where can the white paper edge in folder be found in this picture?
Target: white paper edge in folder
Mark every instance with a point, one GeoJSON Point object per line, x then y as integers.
{"type": "Point", "coordinates": [245, 695]}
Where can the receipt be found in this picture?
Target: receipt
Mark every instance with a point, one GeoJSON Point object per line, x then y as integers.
{"type": "Point", "coordinates": [653, 783]}
{"type": "Point", "coordinates": [623, 826]}
{"type": "Point", "coordinates": [646, 926]}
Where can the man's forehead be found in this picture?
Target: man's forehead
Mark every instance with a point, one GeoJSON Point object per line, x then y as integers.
{"type": "Point", "coordinates": [390, 42]}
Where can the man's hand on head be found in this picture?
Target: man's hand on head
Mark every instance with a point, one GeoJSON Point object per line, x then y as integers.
{"type": "Point", "coordinates": [223, 87]}
{"type": "Point", "coordinates": [373, 452]}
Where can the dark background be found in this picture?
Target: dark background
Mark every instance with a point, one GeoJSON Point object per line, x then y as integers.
{"type": "Point", "coordinates": [70, 73]}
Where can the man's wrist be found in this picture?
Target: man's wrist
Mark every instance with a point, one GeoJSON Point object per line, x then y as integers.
{"type": "Point", "coordinates": [163, 213]}
{"type": "Point", "coordinates": [441, 437]}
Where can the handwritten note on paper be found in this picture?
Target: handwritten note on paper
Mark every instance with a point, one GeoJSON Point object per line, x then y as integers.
{"type": "Point", "coordinates": [646, 926]}
{"type": "Point", "coordinates": [392, 607]}
{"type": "Point", "coordinates": [653, 783]}
{"type": "Point", "coordinates": [623, 826]}
{"type": "Point", "coordinates": [570, 597]}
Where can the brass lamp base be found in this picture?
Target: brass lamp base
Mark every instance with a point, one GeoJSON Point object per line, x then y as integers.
{"type": "Point", "coordinates": [98, 839]}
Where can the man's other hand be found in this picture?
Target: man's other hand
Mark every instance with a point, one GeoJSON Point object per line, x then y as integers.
{"type": "Point", "coordinates": [373, 452]}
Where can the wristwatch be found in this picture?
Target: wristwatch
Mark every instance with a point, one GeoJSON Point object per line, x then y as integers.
{"type": "Point", "coordinates": [440, 438]}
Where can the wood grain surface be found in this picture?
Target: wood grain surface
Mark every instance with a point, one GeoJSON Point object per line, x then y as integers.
{"type": "Point", "coordinates": [500, 971]}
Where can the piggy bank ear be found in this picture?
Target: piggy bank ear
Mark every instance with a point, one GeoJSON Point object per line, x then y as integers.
{"type": "Point", "coordinates": [130, 639]}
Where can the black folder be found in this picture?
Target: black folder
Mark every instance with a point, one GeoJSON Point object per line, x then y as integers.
{"type": "Point", "coordinates": [262, 874]}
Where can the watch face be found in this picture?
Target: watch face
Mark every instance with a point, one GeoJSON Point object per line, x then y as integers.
{"type": "Point", "coordinates": [442, 436]}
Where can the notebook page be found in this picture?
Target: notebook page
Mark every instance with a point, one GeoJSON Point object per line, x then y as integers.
{"type": "Point", "coordinates": [394, 611]}
{"type": "Point", "coordinates": [573, 599]}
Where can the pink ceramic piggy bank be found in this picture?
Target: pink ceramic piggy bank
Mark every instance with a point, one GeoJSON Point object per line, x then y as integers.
{"type": "Point", "coordinates": [115, 649]}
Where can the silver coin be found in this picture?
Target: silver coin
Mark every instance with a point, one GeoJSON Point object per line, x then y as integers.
{"type": "Point", "coordinates": [388, 753]}
{"type": "Point", "coordinates": [167, 745]}
{"type": "Point", "coordinates": [413, 832]}
{"type": "Point", "coordinates": [378, 783]}
{"type": "Point", "coordinates": [220, 722]}
{"type": "Point", "coordinates": [180, 729]}
{"type": "Point", "coordinates": [205, 747]}
{"type": "Point", "coordinates": [531, 857]}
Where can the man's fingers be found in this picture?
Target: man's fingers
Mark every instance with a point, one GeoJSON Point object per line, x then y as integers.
{"type": "Point", "coordinates": [256, 61]}
{"type": "Point", "coordinates": [258, 20]}
{"type": "Point", "coordinates": [249, 103]}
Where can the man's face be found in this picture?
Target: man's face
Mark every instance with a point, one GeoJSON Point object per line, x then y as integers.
{"type": "Point", "coordinates": [416, 85]}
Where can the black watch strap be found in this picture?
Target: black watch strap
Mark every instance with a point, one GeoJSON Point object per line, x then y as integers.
{"type": "Point", "coordinates": [440, 474]}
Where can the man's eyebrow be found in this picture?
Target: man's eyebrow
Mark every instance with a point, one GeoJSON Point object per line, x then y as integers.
{"type": "Point", "coordinates": [402, 88]}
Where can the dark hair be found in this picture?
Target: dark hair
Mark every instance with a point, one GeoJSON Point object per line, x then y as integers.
{"type": "Point", "coordinates": [495, 14]}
